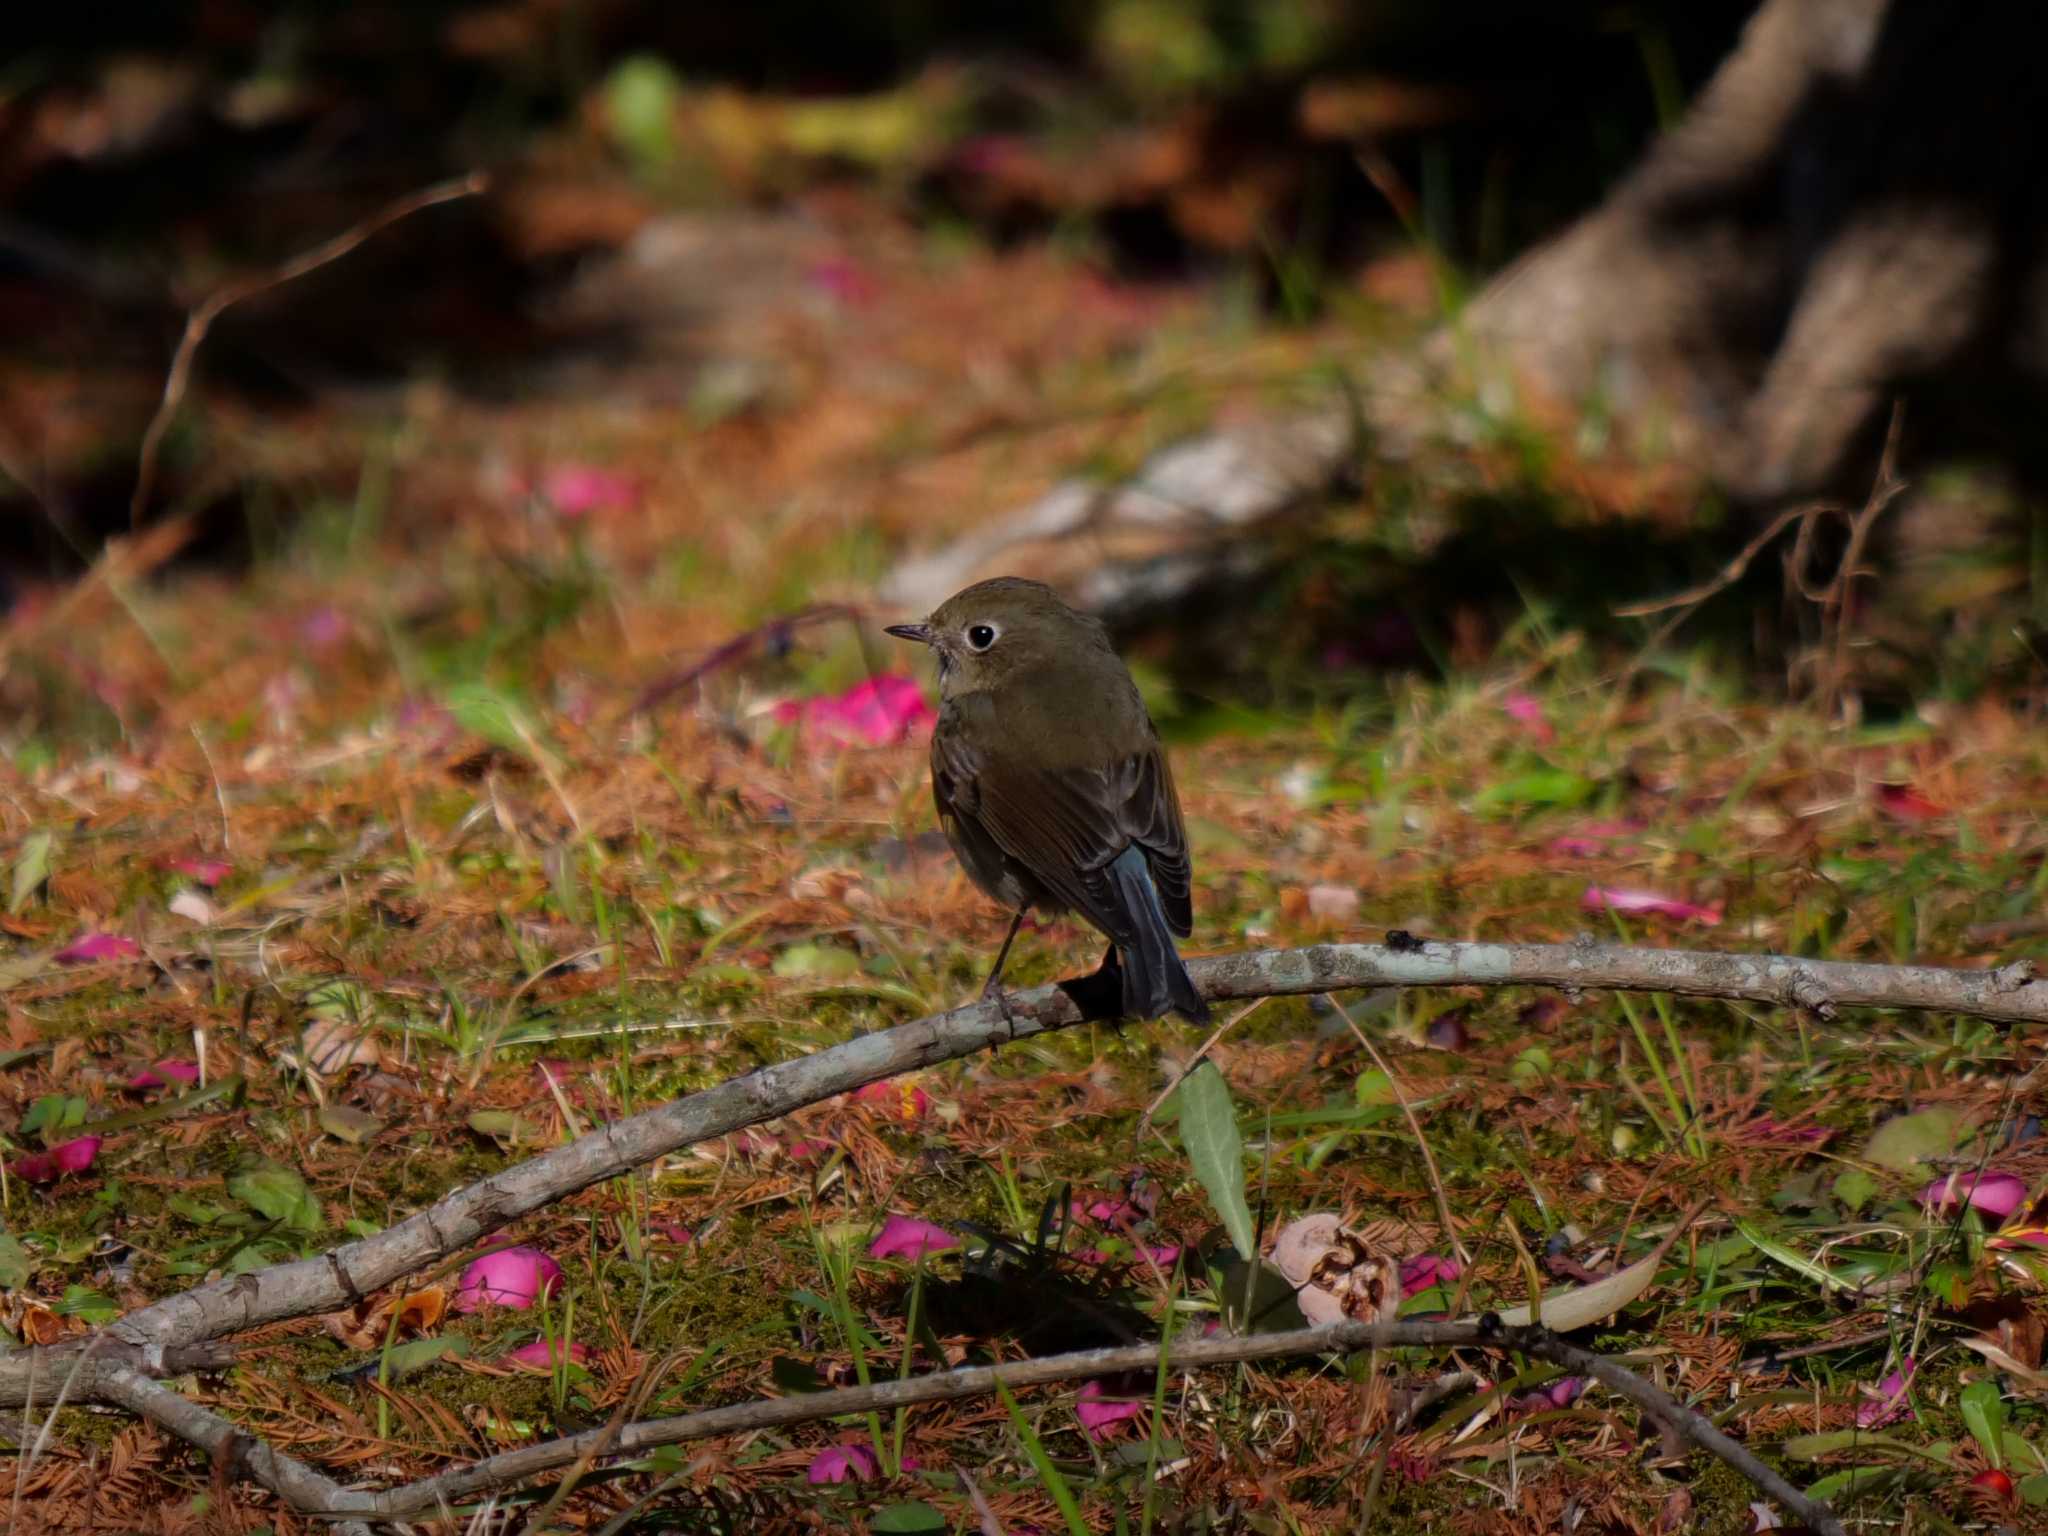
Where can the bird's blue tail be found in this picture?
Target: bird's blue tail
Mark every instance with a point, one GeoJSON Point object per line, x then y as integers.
{"type": "Point", "coordinates": [1156, 983]}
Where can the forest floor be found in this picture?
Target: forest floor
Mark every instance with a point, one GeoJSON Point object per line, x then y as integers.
{"type": "Point", "coordinates": [340, 878]}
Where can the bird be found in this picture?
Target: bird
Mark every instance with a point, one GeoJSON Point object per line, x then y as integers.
{"type": "Point", "coordinates": [1053, 788]}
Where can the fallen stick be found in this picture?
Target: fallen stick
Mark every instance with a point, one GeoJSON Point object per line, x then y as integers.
{"type": "Point", "coordinates": [450, 1489]}
{"type": "Point", "coordinates": [346, 1275]}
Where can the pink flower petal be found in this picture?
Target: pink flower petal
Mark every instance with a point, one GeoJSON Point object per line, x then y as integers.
{"type": "Point", "coordinates": [1593, 838]}
{"type": "Point", "coordinates": [1905, 803]}
{"type": "Point", "coordinates": [1162, 1254]}
{"type": "Point", "coordinates": [2019, 1237]}
{"type": "Point", "coordinates": [511, 1277]}
{"type": "Point", "coordinates": [1890, 1400]}
{"type": "Point", "coordinates": [543, 1355]}
{"type": "Point", "coordinates": [877, 713]}
{"type": "Point", "coordinates": [90, 948]}
{"type": "Point", "coordinates": [844, 280]}
{"type": "Point", "coordinates": [208, 872]}
{"type": "Point", "coordinates": [1100, 1415]}
{"type": "Point", "coordinates": [577, 490]}
{"type": "Point", "coordinates": [163, 1074]}
{"type": "Point", "coordinates": [906, 1237]}
{"type": "Point", "coordinates": [673, 1231]}
{"type": "Point", "coordinates": [74, 1156]}
{"type": "Point", "coordinates": [898, 1097]}
{"type": "Point", "coordinates": [809, 1149]}
{"type": "Point", "coordinates": [1995, 1194]}
{"type": "Point", "coordinates": [1526, 709]}
{"type": "Point", "coordinates": [1622, 899]}
{"type": "Point", "coordinates": [324, 628]}
{"type": "Point", "coordinates": [1425, 1270]}
{"type": "Point", "coordinates": [848, 1463]}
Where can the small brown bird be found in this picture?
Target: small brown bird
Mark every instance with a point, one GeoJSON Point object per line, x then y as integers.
{"type": "Point", "coordinates": [1052, 786]}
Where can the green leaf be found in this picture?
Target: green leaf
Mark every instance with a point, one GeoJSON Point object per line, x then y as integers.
{"type": "Point", "coordinates": [1791, 1257]}
{"type": "Point", "coordinates": [82, 1301]}
{"type": "Point", "coordinates": [1906, 1140]}
{"type": "Point", "coordinates": [417, 1354]}
{"type": "Point", "coordinates": [279, 1194]}
{"type": "Point", "coordinates": [31, 869]}
{"type": "Point", "coordinates": [1855, 1189]}
{"type": "Point", "coordinates": [1547, 787]}
{"type": "Point", "coordinates": [641, 99]}
{"type": "Point", "coordinates": [2034, 1490]}
{"type": "Point", "coordinates": [502, 1126]}
{"type": "Point", "coordinates": [53, 1114]}
{"type": "Point", "coordinates": [496, 716]}
{"type": "Point", "coordinates": [1374, 1088]}
{"type": "Point", "coordinates": [1854, 1481]}
{"type": "Point", "coordinates": [345, 1123]}
{"type": "Point", "coordinates": [15, 1264]}
{"type": "Point", "coordinates": [1983, 1411]}
{"type": "Point", "coordinates": [817, 961]}
{"type": "Point", "coordinates": [1208, 1129]}
{"type": "Point", "coordinates": [912, 1518]}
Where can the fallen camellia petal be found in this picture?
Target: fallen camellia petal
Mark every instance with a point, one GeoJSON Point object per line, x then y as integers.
{"type": "Point", "coordinates": [544, 1354]}
{"type": "Point", "coordinates": [1100, 1414]}
{"type": "Point", "coordinates": [848, 1463]}
{"type": "Point", "coordinates": [1623, 899]}
{"type": "Point", "coordinates": [895, 1096]}
{"type": "Point", "coordinates": [577, 490]}
{"type": "Point", "coordinates": [1995, 1194]}
{"type": "Point", "coordinates": [847, 281]}
{"type": "Point", "coordinates": [93, 947]}
{"type": "Point", "coordinates": [1906, 803]}
{"type": "Point", "coordinates": [877, 713]}
{"type": "Point", "coordinates": [74, 1156]}
{"type": "Point", "coordinates": [906, 1237]}
{"type": "Point", "coordinates": [1561, 1393]}
{"type": "Point", "coordinates": [1593, 838]}
{"type": "Point", "coordinates": [1425, 1270]}
{"type": "Point", "coordinates": [163, 1074]}
{"type": "Point", "coordinates": [1526, 709]}
{"type": "Point", "coordinates": [208, 872]}
{"type": "Point", "coordinates": [1889, 1403]}
{"type": "Point", "coordinates": [511, 1277]}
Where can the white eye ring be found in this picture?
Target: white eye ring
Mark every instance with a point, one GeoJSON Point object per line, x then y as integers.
{"type": "Point", "coordinates": [981, 636]}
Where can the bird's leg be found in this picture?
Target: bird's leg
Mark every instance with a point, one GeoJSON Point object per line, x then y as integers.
{"type": "Point", "coordinates": [992, 989]}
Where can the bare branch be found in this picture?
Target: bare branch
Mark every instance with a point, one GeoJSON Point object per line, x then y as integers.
{"type": "Point", "coordinates": [345, 1275]}
{"type": "Point", "coordinates": [230, 1446]}
{"type": "Point", "coordinates": [528, 1462]}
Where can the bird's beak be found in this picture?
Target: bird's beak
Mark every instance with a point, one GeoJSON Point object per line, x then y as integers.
{"type": "Point", "coordinates": [922, 633]}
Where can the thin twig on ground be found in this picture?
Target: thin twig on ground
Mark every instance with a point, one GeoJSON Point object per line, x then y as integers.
{"type": "Point", "coordinates": [217, 303]}
{"type": "Point", "coordinates": [529, 1462]}
{"type": "Point", "coordinates": [345, 1275]}
{"type": "Point", "coordinates": [230, 1446]}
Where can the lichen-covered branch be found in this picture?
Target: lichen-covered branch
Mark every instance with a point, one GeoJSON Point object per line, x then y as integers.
{"type": "Point", "coordinates": [345, 1275]}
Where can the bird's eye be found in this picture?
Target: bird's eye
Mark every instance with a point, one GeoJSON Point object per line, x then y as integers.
{"type": "Point", "coordinates": [981, 636]}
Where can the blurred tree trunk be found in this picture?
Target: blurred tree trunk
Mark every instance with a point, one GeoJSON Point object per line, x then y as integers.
{"type": "Point", "coordinates": [1850, 211]}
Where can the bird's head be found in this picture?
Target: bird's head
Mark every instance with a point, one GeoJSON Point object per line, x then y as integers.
{"type": "Point", "coordinates": [995, 631]}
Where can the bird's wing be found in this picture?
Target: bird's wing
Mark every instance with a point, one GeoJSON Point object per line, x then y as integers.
{"type": "Point", "coordinates": [1066, 825]}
